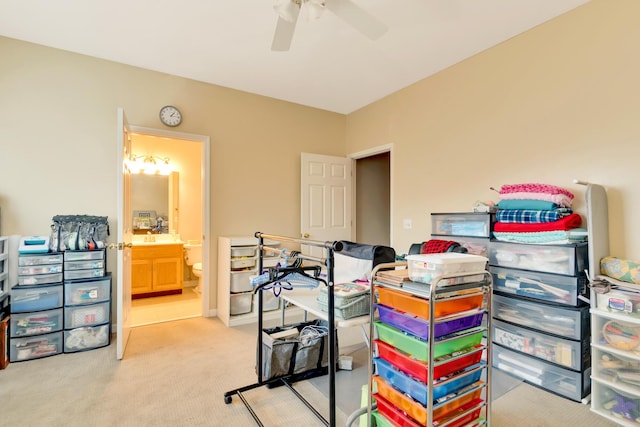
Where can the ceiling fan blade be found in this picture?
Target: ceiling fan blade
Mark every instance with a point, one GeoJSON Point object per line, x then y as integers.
{"type": "Point", "coordinates": [284, 33]}
{"type": "Point", "coordinates": [357, 17]}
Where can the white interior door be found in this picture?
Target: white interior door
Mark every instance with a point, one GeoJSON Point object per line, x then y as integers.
{"type": "Point", "coordinates": [325, 210]}
{"type": "Point", "coordinates": [125, 219]}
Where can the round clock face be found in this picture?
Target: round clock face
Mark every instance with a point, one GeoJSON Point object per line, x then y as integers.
{"type": "Point", "coordinates": [170, 115]}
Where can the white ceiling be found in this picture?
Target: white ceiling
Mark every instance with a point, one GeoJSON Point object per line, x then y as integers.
{"type": "Point", "coordinates": [228, 42]}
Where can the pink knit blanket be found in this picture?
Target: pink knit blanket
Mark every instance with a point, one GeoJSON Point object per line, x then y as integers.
{"type": "Point", "coordinates": [535, 188]}
{"type": "Point", "coordinates": [559, 199]}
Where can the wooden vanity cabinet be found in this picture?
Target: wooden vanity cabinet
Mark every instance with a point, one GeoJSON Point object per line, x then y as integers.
{"type": "Point", "coordinates": [156, 270]}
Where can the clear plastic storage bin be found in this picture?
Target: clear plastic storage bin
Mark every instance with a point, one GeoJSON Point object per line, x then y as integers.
{"type": "Point", "coordinates": [34, 347]}
{"type": "Point", "coordinates": [87, 292]}
{"type": "Point", "coordinates": [39, 279]}
{"type": "Point", "coordinates": [40, 269]}
{"type": "Point", "coordinates": [475, 224]}
{"type": "Point", "coordinates": [564, 321]}
{"type": "Point", "coordinates": [570, 259]}
{"type": "Point", "coordinates": [41, 322]}
{"type": "Point", "coordinates": [86, 315]}
{"type": "Point", "coordinates": [84, 255]}
{"type": "Point", "coordinates": [25, 299]}
{"type": "Point", "coordinates": [40, 259]}
{"type": "Point", "coordinates": [426, 267]}
{"type": "Point", "coordinates": [86, 338]}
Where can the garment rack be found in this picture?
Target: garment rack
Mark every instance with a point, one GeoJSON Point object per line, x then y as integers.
{"type": "Point", "coordinates": [328, 262]}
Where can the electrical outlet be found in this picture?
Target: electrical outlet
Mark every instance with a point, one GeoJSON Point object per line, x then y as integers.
{"type": "Point", "coordinates": [407, 224]}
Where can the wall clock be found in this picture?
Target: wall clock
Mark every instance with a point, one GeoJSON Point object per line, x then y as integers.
{"type": "Point", "coordinates": [170, 115]}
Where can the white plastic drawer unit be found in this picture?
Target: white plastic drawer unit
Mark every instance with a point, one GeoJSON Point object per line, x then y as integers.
{"type": "Point", "coordinates": [27, 348]}
{"type": "Point", "coordinates": [610, 401]}
{"type": "Point", "coordinates": [570, 260]}
{"type": "Point", "coordinates": [86, 315]}
{"type": "Point", "coordinates": [87, 292]}
{"type": "Point", "coordinates": [40, 259]}
{"type": "Point", "coordinates": [243, 263]}
{"type": "Point", "coordinates": [243, 251]}
{"type": "Point", "coordinates": [86, 338]}
{"type": "Point", "coordinates": [567, 353]}
{"type": "Point", "coordinates": [472, 224]}
{"type": "Point", "coordinates": [542, 286]}
{"type": "Point", "coordinates": [624, 303]}
{"type": "Point", "coordinates": [240, 303]}
{"type": "Point", "coordinates": [563, 321]}
{"type": "Point", "coordinates": [613, 333]}
{"type": "Point", "coordinates": [36, 298]}
{"type": "Point", "coordinates": [564, 382]}
{"type": "Point", "coordinates": [41, 322]}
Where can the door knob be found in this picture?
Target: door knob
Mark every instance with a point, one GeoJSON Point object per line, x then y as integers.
{"type": "Point", "coordinates": [305, 235]}
{"type": "Point", "coordinates": [120, 246]}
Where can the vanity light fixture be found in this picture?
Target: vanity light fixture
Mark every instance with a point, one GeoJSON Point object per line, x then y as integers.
{"type": "Point", "coordinates": [150, 165]}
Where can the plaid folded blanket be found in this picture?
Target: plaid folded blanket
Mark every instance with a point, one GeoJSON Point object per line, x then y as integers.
{"type": "Point", "coordinates": [528, 216]}
{"type": "Point", "coordinates": [566, 223]}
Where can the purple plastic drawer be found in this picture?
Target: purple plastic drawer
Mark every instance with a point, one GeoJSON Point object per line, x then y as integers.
{"type": "Point", "coordinates": [419, 327]}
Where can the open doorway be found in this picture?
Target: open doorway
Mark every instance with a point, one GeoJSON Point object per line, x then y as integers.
{"type": "Point", "coordinates": [372, 199]}
{"type": "Point", "coordinates": [186, 232]}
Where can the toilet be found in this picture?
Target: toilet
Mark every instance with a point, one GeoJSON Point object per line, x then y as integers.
{"type": "Point", "coordinates": [193, 258]}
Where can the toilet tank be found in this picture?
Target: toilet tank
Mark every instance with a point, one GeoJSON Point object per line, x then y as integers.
{"type": "Point", "coordinates": [192, 253]}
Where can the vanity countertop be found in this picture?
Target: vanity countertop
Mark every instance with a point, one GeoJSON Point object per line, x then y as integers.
{"type": "Point", "coordinates": [155, 239]}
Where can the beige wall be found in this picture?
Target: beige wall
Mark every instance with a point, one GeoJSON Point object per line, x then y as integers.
{"type": "Point", "coordinates": [556, 103]}
{"type": "Point", "coordinates": [58, 142]}
{"type": "Point", "coordinates": [559, 102]}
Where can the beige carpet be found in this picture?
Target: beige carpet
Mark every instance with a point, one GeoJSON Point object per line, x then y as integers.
{"type": "Point", "coordinates": [176, 374]}
{"type": "Point", "coordinates": [173, 374]}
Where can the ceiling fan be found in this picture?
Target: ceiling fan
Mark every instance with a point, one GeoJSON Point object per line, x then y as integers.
{"type": "Point", "coordinates": [352, 14]}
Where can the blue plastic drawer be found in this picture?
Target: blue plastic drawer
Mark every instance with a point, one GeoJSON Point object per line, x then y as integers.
{"type": "Point", "coordinates": [36, 298]}
{"type": "Point", "coordinates": [41, 322]}
{"type": "Point", "coordinates": [419, 390]}
{"type": "Point", "coordinates": [419, 327]}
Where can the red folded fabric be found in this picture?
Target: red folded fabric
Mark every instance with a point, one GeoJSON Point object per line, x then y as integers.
{"type": "Point", "coordinates": [435, 246]}
{"type": "Point", "coordinates": [567, 223]}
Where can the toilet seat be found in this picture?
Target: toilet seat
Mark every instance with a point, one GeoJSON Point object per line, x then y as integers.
{"type": "Point", "coordinates": [197, 266]}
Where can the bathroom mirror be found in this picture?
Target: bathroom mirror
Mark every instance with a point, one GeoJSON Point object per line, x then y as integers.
{"type": "Point", "coordinates": [153, 197]}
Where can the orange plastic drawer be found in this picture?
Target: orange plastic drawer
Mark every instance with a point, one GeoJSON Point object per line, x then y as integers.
{"type": "Point", "coordinates": [420, 307]}
{"type": "Point", "coordinates": [417, 411]}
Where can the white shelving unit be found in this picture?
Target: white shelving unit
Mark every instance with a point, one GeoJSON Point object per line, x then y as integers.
{"type": "Point", "coordinates": [237, 262]}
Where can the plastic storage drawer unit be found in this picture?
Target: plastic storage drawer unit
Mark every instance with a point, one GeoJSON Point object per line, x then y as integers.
{"type": "Point", "coordinates": [542, 286]}
{"type": "Point", "coordinates": [24, 299]}
{"type": "Point", "coordinates": [564, 321]}
{"type": "Point", "coordinates": [34, 347]}
{"type": "Point", "coordinates": [86, 315]}
{"type": "Point", "coordinates": [83, 265]}
{"type": "Point", "coordinates": [419, 390]}
{"type": "Point", "coordinates": [40, 322]}
{"type": "Point", "coordinates": [86, 338]}
{"type": "Point", "coordinates": [419, 327]}
{"type": "Point", "coordinates": [443, 366]}
{"type": "Point", "coordinates": [570, 260]}
{"type": "Point", "coordinates": [474, 224]}
{"type": "Point", "coordinates": [564, 382]}
{"type": "Point", "coordinates": [418, 412]}
{"type": "Point", "coordinates": [40, 269]}
{"type": "Point", "coordinates": [39, 279]}
{"type": "Point", "coordinates": [87, 292]}
{"type": "Point", "coordinates": [567, 353]}
{"type": "Point", "coordinates": [425, 268]}
{"type": "Point", "coordinates": [84, 255]}
{"type": "Point", "coordinates": [419, 349]}
{"type": "Point", "coordinates": [420, 307]}
{"type": "Point", "coordinates": [39, 259]}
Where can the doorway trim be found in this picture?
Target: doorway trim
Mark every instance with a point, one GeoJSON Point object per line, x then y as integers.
{"type": "Point", "coordinates": [387, 148]}
{"type": "Point", "coordinates": [205, 174]}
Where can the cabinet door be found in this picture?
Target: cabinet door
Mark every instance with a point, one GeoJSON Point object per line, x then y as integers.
{"type": "Point", "coordinates": [141, 276]}
{"type": "Point", "coordinates": [167, 274]}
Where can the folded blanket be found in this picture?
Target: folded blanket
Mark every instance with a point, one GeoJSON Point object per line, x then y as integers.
{"type": "Point", "coordinates": [568, 222]}
{"type": "Point", "coordinates": [541, 237]}
{"type": "Point", "coordinates": [530, 204]}
{"type": "Point", "coordinates": [528, 216]}
{"type": "Point", "coordinates": [559, 199]}
{"type": "Point", "coordinates": [535, 188]}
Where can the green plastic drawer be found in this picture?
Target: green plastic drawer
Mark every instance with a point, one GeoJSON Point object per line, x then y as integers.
{"type": "Point", "coordinates": [419, 349]}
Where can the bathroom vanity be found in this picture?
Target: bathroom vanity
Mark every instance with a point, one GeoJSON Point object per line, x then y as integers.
{"type": "Point", "coordinates": [156, 269]}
